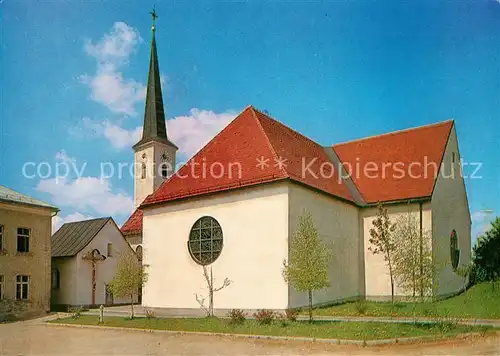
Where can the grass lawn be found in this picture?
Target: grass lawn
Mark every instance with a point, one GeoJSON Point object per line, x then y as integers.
{"type": "Point", "coordinates": [482, 302]}
{"type": "Point", "coordinates": [333, 330]}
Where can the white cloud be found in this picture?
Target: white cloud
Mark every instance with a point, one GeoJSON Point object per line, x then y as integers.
{"type": "Point", "coordinates": [119, 137]}
{"type": "Point", "coordinates": [108, 85]}
{"type": "Point", "coordinates": [191, 132]}
{"type": "Point", "coordinates": [63, 157]}
{"type": "Point", "coordinates": [481, 222]}
{"type": "Point", "coordinates": [115, 46]}
{"type": "Point", "coordinates": [87, 193]}
{"type": "Point", "coordinates": [58, 221]}
{"type": "Point", "coordinates": [481, 215]}
{"type": "Point", "coordinates": [109, 88]}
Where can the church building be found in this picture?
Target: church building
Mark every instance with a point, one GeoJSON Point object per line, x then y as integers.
{"type": "Point", "coordinates": [235, 204]}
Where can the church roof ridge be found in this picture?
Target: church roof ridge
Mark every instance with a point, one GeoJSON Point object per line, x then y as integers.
{"type": "Point", "coordinates": [282, 169]}
{"type": "Point", "coordinates": [396, 132]}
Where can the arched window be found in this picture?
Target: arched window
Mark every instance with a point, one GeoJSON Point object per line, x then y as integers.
{"type": "Point", "coordinates": [205, 241]}
{"type": "Point", "coordinates": [454, 251]}
{"type": "Point", "coordinates": [138, 252]}
{"type": "Point", "coordinates": [164, 165]}
{"type": "Point", "coordinates": [143, 170]}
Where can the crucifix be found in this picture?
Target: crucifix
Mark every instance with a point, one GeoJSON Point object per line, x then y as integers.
{"type": "Point", "coordinates": [154, 16]}
{"type": "Point", "coordinates": [93, 256]}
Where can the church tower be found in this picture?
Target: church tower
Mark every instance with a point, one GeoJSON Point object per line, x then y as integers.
{"type": "Point", "coordinates": [154, 153]}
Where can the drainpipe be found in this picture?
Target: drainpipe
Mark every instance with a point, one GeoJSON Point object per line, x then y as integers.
{"type": "Point", "coordinates": [421, 252]}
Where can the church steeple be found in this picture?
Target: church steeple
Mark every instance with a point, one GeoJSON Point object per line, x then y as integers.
{"type": "Point", "coordinates": [154, 114]}
{"type": "Point", "coordinates": [154, 154]}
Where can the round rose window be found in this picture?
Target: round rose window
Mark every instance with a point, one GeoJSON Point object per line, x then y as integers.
{"type": "Point", "coordinates": [205, 241]}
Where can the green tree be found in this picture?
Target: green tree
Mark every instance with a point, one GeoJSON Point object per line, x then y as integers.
{"type": "Point", "coordinates": [129, 277]}
{"type": "Point", "coordinates": [382, 241]}
{"type": "Point", "coordinates": [413, 263]}
{"type": "Point", "coordinates": [406, 255]}
{"type": "Point", "coordinates": [486, 254]}
{"type": "Point", "coordinates": [309, 257]}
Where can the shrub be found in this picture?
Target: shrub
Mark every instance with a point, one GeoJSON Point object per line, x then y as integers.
{"type": "Point", "coordinates": [236, 316]}
{"type": "Point", "coordinates": [282, 319]}
{"type": "Point", "coordinates": [264, 316]}
{"type": "Point", "coordinates": [445, 326]}
{"type": "Point", "coordinates": [76, 312]}
{"type": "Point", "coordinates": [361, 307]}
{"type": "Point", "coordinates": [150, 314]}
{"type": "Point", "coordinates": [291, 314]}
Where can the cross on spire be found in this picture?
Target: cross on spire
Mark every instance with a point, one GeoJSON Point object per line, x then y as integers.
{"type": "Point", "coordinates": [154, 114]}
{"type": "Point", "coordinates": [154, 16]}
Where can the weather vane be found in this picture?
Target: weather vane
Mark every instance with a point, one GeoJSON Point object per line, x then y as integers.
{"type": "Point", "coordinates": [154, 16]}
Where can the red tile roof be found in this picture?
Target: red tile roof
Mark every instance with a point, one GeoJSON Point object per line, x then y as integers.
{"type": "Point", "coordinates": [237, 149]}
{"type": "Point", "coordinates": [253, 136]}
{"type": "Point", "coordinates": [422, 147]}
{"type": "Point", "coordinates": [134, 223]}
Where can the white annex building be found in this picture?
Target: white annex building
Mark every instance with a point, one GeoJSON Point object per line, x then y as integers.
{"type": "Point", "coordinates": [236, 203]}
{"type": "Point", "coordinates": [85, 257]}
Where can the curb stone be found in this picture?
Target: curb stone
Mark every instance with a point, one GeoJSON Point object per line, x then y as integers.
{"type": "Point", "coordinates": [403, 340]}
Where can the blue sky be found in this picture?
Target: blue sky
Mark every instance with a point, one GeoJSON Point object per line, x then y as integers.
{"type": "Point", "coordinates": [73, 76]}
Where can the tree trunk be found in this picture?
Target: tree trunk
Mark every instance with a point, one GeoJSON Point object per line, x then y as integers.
{"type": "Point", "coordinates": [211, 295]}
{"type": "Point", "coordinates": [131, 306]}
{"type": "Point", "coordinates": [392, 277]}
{"type": "Point", "coordinates": [310, 306]}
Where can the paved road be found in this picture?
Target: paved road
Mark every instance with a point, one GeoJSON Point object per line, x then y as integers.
{"type": "Point", "coordinates": [36, 338]}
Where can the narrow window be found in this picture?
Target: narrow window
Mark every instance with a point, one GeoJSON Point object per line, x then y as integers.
{"type": "Point", "coordinates": [22, 287]}
{"type": "Point", "coordinates": [453, 157]}
{"type": "Point", "coordinates": [143, 170]}
{"type": "Point", "coordinates": [1, 241]}
{"type": "Point", "coordinates": [23, 239]}
{"type": "Point", "coordinates": [164, 170]}
{"type": "Point", "coordinates": [109, 251]}
{"type": "Point", "coordinates": [165, 165]}
{"type": "Point", "coordinates": [138, 252]}
{"type": "Point", "coordinates": [1, 287]}
{"type": "Point", "coordinates": [55, 279]}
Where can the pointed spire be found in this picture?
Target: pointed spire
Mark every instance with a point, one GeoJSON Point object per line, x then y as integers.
{"type": "Point", "coordinates": [154, 115]}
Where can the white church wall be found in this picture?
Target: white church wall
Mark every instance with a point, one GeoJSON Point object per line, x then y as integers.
{"type": "Point", "coordinates": [337, 224]}
{"type": "Point", "coordinates": [377, 277]}
{"type": "Point", "coordinates": [254, 222]}
{"type": "Point", "coordinates": [450, 211]}
{"type": "Point", "coordinates": [105, 270]}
